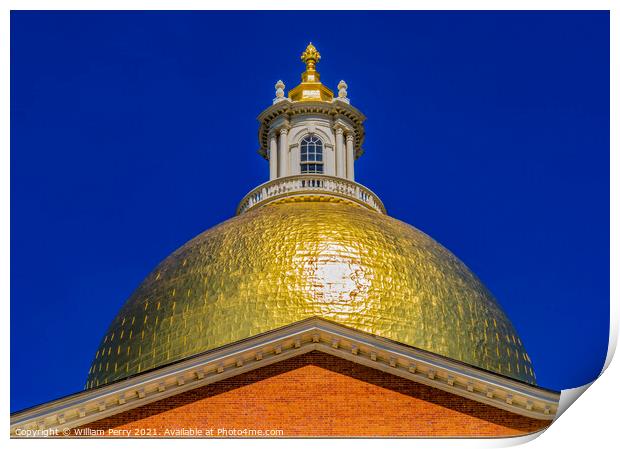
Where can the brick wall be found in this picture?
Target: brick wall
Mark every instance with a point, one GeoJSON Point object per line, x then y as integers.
{"type": "Point", "coordinates": [321, 395]}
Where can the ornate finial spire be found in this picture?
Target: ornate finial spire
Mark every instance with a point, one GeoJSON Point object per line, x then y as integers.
{"type": "Point", "coordinates": [310, 57]}
{"type": "Point", "coordinates": [311, 88]}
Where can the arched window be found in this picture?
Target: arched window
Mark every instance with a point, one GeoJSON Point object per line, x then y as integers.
{"type": "Point", "coordinates": [311, 154]}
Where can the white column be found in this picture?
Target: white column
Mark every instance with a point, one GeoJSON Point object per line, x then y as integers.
{"type": "Point", "coordinates": [283, 164]}
{"type": "Point", "coordinates": [350, 157]}
{"type": "Point", "coordinates": [273, 156]}
{"type": "Point", "coordinates": [295, 160]}
{"type": "Point", "coordinates": [340, 157]}
{"type": "Point", "coordinates": [329, 160]}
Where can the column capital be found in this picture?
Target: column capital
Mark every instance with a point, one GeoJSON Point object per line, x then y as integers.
{"type": "Point", "coordinates": [350, 137]}
{"type": "Point", "coordinates": [283, 131]}
{"type": "Point", "coordinates": [279, 124]}
{"type": "Point", "coordinates": [341, 126]}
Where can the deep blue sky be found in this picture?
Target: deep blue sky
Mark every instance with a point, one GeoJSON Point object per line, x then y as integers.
{"type": "Point", "coordinates": [133, 132]}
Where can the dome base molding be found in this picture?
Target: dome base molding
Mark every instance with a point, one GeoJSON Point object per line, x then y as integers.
{"type": "Point", "coordinates": [310, 185]}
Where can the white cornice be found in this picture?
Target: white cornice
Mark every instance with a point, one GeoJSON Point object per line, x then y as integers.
{"type": "Point", "coordinates": [347, 114]}
{"type": "Point", "coordinates": [314, 334]}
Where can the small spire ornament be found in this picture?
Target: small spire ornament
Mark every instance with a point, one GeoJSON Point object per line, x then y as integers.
{"type": "Point", "coordinates": [342, 91]}
{"type": "Point", "coordinates": [279, 91]}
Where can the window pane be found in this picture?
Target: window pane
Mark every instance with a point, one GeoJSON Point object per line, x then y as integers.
{"type": "Point", "coordinates": [311, 154]}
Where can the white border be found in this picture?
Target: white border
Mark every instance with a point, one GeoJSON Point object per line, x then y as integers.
{"type": "Point", "coordinates": [579, 426]}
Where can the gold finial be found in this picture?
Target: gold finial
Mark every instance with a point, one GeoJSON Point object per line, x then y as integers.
{"type": "Point", "coordinates": [310, 57]}
{"type": "Point", "coordinates": [311, 88]}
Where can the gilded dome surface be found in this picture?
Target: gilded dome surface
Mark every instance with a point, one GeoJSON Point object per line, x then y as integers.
{"type": "Point", "coordinates": [284, 262]}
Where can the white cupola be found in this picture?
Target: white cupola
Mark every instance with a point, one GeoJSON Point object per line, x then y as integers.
{"type": "Point", "coordinates": [311, 139]}
{"type": "Point", "coordinates": [311, 131]}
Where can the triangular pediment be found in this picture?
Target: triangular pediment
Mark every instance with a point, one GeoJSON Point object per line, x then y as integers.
{"type": "Point", "coordinates": [313, 335]}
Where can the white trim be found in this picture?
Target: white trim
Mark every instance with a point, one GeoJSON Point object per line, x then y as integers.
{"type": "Point", "coordinates": [301, 130]}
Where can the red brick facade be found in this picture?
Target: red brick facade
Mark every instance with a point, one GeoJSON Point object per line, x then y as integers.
{"type": "Point", "coordinates": [320, 395]}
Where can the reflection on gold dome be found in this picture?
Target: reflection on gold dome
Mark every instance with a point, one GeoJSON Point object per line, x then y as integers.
{"type": "Point", "coordinates": [280, 263]}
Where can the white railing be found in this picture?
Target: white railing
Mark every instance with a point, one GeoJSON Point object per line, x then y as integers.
{"type": "Point", "coordinates": [300, 184]}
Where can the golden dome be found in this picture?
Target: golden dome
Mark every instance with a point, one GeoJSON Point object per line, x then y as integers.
{"type": "Point", "coordinates": [280, 263]}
